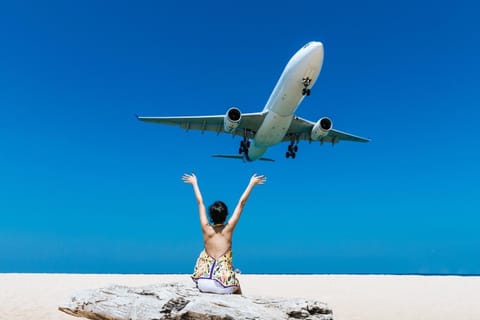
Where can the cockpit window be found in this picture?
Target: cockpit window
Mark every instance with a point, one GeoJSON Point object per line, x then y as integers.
{"type": "Point", "coordinates": [305, 46]}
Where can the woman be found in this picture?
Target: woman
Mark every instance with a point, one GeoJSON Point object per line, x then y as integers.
{"type": "Point", "coordinates": [214, 269]}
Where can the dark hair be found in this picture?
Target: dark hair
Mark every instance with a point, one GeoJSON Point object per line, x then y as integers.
{"type": "Point", "coordinates": [218, 212]}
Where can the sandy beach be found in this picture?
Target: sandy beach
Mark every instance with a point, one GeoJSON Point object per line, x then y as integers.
{"type": "Point", "coordinates": [351, 297]}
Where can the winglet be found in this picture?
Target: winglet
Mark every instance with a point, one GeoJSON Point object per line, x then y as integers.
{"type": "Point", "coordinates": [141, 118]}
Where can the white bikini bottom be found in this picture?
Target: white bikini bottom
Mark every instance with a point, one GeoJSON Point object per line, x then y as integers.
{"type": "Point", "coordinates": [212, 286]}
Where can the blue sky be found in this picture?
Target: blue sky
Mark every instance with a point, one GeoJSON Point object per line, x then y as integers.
{"type": "Point", "coordinates": [85, 187]}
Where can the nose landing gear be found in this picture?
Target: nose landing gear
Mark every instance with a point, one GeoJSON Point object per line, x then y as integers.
{"type": "Point", "coordinates": [306, 83]}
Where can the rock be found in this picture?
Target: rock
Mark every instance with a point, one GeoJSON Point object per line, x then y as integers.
{"type": "Point", "coordinates": [178, 301]}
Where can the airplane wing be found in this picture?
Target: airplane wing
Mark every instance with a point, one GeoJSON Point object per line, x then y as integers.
{"type": "Point", "coordinates": [249, 123]}
{"type": "Point", "coordinates": [302, 129]}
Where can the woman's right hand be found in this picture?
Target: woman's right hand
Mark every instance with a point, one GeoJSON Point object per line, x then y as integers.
{"type": "Point", "coordinates": [189, 178]}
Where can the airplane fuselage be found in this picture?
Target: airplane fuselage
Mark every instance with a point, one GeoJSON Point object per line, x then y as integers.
{"type": "Point", "coordinates": [305, 65]}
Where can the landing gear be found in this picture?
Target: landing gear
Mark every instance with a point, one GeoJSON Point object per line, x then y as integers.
{"type": "Point", "coordinates": [292, 148]}
{"type": "Point", "coordinates": [244, 144]}
{"type": "Point", "coordinates": [306, 83]}
{"type": "Point", "coordinates": [289, 154]}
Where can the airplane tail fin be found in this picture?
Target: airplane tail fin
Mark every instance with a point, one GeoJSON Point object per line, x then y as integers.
{"type": "Point", "coordinates": [234, 156]}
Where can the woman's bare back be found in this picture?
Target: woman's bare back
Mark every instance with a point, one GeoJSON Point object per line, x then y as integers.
{"type": "Point", "coordinates": [217, 240]}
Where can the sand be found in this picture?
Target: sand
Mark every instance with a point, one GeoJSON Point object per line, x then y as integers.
{"type": "Point", "coordinates": [352, 297]}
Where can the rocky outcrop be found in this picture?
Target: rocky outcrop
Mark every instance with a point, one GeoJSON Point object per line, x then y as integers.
{"type": "Point", "coordinates": [184, 302]}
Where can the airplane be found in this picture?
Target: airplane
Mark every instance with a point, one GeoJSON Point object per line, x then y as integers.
{"type": "Point", "coordinates": [277, 121]}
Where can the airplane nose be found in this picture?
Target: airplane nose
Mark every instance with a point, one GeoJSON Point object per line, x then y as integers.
{"type": "Point", "coordinates": [317, 50]}
{"type": "Point", "coordinates": [318, 47]}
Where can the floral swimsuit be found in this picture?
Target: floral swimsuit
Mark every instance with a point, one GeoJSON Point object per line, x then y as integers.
{"type": "Point", "coordinates": [220, 269]}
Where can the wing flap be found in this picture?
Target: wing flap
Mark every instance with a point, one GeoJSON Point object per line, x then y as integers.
{"type": "Point", "coordinates": [249, 123]}
{"type": "Point", "coordinates": [302, 128]}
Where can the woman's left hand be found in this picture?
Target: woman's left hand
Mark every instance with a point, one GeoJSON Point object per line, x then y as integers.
{"type": "Point", "coordinates": [254, 180]}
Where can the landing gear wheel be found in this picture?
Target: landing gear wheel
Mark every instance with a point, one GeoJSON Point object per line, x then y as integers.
{"type": "Point", "coordinates": [292, 147]}
{"type": "Point", "coordinates": [244, 145]}
{"type": "Point", "coordinates": [289, 154]}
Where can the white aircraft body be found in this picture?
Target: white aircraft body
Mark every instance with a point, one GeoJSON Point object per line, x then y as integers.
{"type": "Point", "coordinates": [277, 122]}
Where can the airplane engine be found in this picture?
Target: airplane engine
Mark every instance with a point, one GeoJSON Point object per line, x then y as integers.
{"type": "Point", "coordinates": [321, 128]}
{"type": "Point", "coordinates": [232, 119]}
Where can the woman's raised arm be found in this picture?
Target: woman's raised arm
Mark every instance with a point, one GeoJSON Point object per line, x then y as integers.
{"type": "Point", "coordinates": [192, 179]}
{"type": "Point", "coordinates": [254, 180]}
